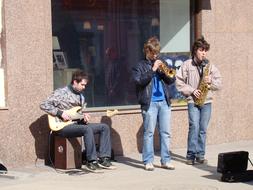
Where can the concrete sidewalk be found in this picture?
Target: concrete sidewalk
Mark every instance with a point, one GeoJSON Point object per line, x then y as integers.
{"type": "Point", "coordinates": [130, 175]}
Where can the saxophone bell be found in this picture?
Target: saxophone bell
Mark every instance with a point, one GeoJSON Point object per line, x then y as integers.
{"type": "Point", "coordinates": [203, 87]}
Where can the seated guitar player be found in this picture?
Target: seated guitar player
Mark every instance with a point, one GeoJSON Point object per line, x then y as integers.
{"type": "Point", "coordinates": [67, 98]}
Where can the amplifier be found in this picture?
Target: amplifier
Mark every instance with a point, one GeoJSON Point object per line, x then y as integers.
{"type": "Point", "coordinates": [238, 177]}
{"type": "Point", "coordinates": [68, 152]}
{"type": "Point", "coordinates": [232, 162]}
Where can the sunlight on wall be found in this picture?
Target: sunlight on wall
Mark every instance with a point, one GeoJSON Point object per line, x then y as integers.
{"type": "Point", "coordinates": [2, 90]}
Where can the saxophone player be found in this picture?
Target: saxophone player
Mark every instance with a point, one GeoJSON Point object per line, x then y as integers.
{"type": "Point", "coordinates": [193, 75]}
{"type": "Point", "coordinates": [152, 89]}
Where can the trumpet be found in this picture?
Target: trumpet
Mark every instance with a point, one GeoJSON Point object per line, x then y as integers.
{"type": "Point", "coordinates": [165, 69]}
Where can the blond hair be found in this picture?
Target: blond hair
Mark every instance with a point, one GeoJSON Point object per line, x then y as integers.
{"type": "Point", "coordinates": [152, 45]}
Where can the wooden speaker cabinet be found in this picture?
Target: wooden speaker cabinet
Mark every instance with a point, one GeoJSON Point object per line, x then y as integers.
{"type": "Point", "coordinates": [68, 152]}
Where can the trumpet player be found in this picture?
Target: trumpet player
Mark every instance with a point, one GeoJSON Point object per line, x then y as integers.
{"type": "Point", "coordinates": [154, 97]}
{"type": "Point", "coordinates": [197, 79]}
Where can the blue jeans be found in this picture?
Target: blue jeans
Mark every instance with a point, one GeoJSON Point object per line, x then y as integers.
{"type": "Point", "coordinates": [88, 131]}
{"type": "Point", "coordinates": [198, 122]}
{"type": "Point", "coordinates": [158, 112]}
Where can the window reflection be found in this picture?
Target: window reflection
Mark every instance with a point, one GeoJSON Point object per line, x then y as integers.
{"type": "Point", "coordinates": [105, 38]}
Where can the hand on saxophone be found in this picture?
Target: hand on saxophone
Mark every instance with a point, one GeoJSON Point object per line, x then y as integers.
{"type": "Point", "coordinates": [156, 65]}
{"type": "Point", "coordinates": [208, 79]}
{"type": "Point", "coordinates": [197, 93]}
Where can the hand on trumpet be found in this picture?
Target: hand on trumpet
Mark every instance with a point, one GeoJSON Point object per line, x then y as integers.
{"type": "Point", "coordinates": [156, 65]}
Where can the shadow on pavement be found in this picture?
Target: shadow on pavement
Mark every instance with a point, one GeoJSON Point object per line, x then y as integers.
{"type": "Point", "coordinates": [130, 162]}
{"type": "Point", "coordinates": [213, 170]}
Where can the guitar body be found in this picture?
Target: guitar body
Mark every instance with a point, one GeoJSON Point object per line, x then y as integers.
{"type": "Point", "coordinates": [56, 124]}
{"type": "Point", "coordinates": [75, 113]}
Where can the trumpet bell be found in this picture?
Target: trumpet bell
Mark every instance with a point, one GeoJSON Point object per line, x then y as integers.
{"type": "Point", "coordinates": [169, 72]}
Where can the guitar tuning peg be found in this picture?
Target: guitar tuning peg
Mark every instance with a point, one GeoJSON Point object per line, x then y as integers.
{"type": "Point", "coordinates": [110, 113]}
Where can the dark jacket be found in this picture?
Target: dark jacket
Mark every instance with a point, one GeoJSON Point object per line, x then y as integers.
{"type": "Point", "coordinates": [143, 76]}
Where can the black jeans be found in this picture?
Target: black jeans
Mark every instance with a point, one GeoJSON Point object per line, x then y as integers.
{"type": "Point", "coordinates": [88, 131]}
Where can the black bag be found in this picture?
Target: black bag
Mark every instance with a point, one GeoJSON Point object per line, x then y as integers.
{"type": "Point", "coordinates": [3, 169]}
{"type": "Point", "coordinates": [233, 162]}
{"type": "Point", "coordinates": [233, 166]}
{"type": "Point", "coordinates": [237, 177]}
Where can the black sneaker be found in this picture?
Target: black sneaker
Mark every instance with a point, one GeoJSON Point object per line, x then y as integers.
{"type": "Point", "coordinates": [3, 169]}
{"type": "Point", "coordinates": [201, 160]}
{"type": "Point", "coordinates": [106, 163]}
{"type": "Point", "coordinates": [92, 165]}
{"type": "Point", "coordinates": [189, 162]}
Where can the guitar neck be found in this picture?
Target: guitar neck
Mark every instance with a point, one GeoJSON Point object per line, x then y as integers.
{"type": "Point", "coordinates": [76, 113]}
{"type": "Point", "coordinates": [107, 113]}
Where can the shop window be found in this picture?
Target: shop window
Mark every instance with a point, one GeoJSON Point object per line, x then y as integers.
{"type": "Point", "coordinates": [105, 38]}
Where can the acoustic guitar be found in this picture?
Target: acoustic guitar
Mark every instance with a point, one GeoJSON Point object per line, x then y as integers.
{"type": "Point", "coordinates": [75, 113]}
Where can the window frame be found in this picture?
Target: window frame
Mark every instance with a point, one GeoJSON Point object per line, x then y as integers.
{"type": "Point", "coordinates": [195, 32]}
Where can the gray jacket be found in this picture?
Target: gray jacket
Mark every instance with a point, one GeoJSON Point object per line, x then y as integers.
{"type": "Point", "coordinates": [187, 80]}
{"type": "Point", "coordinates": [62, 99]}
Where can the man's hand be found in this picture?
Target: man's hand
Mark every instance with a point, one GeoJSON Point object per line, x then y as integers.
{"type": "Point", "coordinates": [65, 116]}
{"type": "Point", "coordinates": [208, 80]}
{"type": "Point", "coordinates": [156, 65]}
{"type": "Point", "coordinates": [197, 93]}
{"type": "Point", "coordinates": [86, 117]}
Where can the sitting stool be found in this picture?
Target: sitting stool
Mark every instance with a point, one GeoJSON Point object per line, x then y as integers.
{"type": "Point", "coordinates": [67, 152]}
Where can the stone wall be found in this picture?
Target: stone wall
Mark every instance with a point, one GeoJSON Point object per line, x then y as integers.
{"type": "Point", "coordinates": [226, 24]}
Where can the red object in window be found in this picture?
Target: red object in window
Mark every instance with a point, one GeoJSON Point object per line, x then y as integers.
{"type": "Point", "coordinates": [67, 4]}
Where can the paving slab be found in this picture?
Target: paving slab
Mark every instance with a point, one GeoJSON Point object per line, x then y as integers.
{"type": "Point", "coordinates": [130, 174]}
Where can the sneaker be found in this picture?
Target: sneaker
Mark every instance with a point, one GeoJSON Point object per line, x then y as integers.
{"type": "Point", "coordinates": [189, 162]}
{"type": "Point", "coordinates": [105, 163]}
{"type": "Point", "coordinates": [92, 165]}
{"type": "Point", "coordinates": [3, 169]}
{"type": "Point", "coordinates": [149, 167]}
{"type": "Point", "coordinates": [201, 160]}
{"type": "Point", "coordinates": [168, 166]}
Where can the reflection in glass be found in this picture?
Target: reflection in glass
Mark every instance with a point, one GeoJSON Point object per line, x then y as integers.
{"type": "Point", "coordinates": [105, 38]}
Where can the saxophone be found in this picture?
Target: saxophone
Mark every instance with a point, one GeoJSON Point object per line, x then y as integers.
{"type": "Point", "coordinates": [203, 87]}
{"type": "Point", "coordinates": [164, 68]}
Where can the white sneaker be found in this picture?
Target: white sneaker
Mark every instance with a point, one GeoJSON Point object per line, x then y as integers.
{"type": "Point", "coordinates": [149, 167]}
{"type": "Point", "coordinates": [168, 166]}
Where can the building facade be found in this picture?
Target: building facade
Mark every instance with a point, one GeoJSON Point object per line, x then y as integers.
{"type": "Point", "coordinates": [43, 42]}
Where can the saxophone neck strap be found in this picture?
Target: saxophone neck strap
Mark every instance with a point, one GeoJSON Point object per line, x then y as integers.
{"type": "Point", "coordinates": [205, 64]}
{"type": "Point", "coordinates": [200, 68]}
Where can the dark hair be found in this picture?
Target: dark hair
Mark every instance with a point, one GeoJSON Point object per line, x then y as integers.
{"type": "Point", "coordinates": [78, 76]}
{"type": "Point", "coordinates": [200, 43]}
{"type": "Point", "coordinates": [152, 45]}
